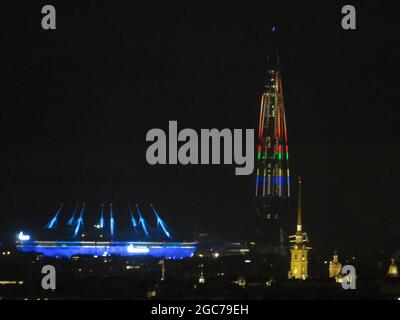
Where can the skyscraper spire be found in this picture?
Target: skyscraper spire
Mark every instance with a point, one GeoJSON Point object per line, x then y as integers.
{"type": "Point", "coordinates": [272, 189]}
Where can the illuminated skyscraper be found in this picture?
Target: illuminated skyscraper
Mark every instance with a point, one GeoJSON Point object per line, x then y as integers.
{"type": "Point", "coordinates": [272, 189]}
{"type": "Point", "coordinates": [299, 250]}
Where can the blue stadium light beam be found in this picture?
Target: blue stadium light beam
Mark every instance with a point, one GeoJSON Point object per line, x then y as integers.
{"type": "Point", "coordinates": [79, 223]}
{"type": "Point", "coordinates": [53, 222]}
{"type": "Point", "coordinates": [112, 222]}
{"type": "Point", "coordinates": [72, 219]}
{"type": "Point", "coordinates": [160, 223]}
{"type": "Point", "coordinates": [142, 222]}
{"type": "Point", "coordinates": [133, 220]}
{"type": "Point", "coordinates": [101, 221]}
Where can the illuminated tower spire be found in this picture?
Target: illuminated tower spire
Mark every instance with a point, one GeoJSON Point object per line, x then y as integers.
{"type": "Point", "coordinates": [299, 250]}
{"type": "Point", "coordinates": [299, 226]}
{"type": "Point", "coordinates": [272, 189]}
{"type": "Point", "coordinates": [393, 272]}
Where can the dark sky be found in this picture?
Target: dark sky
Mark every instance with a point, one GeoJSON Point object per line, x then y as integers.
{"type": "Point", "coordinates": [77, 103]}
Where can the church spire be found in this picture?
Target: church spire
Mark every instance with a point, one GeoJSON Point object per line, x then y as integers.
{"type": "Point", "coordinates": [299, 250]}
{"type": "Point", "coordinates": [393, 272]}
{"type": "Point", "coordinates": [299, 223]}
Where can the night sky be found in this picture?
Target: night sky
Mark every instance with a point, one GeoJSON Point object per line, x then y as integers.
{"type": "Point", "coordinates": [77, 102]}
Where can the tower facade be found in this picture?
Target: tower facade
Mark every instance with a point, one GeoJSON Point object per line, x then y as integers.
{"type": "Point", "coordinates": [335, 267]}
{"type": "Point", "coordinates": [393, 272]}
{"type": "Point", "coordinates": [299, 250]}
{"type": "Point", "coordinates": [272, 189]}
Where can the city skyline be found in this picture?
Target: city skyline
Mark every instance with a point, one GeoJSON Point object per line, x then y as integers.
{"type": "Point", "coordinates": [206, 152]}
{"type": "Point", "coordinates": [83, 138]}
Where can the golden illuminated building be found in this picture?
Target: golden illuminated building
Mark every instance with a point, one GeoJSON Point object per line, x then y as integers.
{"type": "Point", "coordinates": [299, 250]}
{"type": "Point", "coordinates": [335, 267]}
{"type": "Point", "coordinates": [393, 272]}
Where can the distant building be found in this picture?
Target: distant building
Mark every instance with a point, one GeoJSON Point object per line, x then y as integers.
{"type": "Point", "coordinates": [335, 267]}
{"type": "Point", "coordinates": [393, 272]}
{"type": "Point", "coordinates": [299, 250]}
{"type": "Point", "coordinates": [102, 240]}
